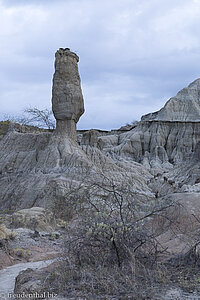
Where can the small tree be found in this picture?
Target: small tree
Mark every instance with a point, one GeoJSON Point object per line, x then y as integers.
{"type": "Point", "coordinates": [40, 117]}
{"type": "Point", "coordinates": [115, 223]}
{"type": "Point", "coordinates": [34, 116]}
{"type": "Point", "coordinates": [112, 232]}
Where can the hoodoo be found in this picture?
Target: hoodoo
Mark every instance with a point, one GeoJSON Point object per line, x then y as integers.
{"type": "Point", "coordinates": [67, 98]}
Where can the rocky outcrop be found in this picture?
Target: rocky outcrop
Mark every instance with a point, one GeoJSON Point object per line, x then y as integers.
{"type": "Point", "coordinates": [33, 167]}
{"type": "Point", "coordinates": [30, 282]}
{"type": "Point", "coordinates": [67, 98]}
{"type": "Point", "coordinates": [185, 106]}
{"type": "Point", "coordinates": [154, 143]}
{"type": "Point", "coordinates": [35, 283]}
{"type": "Point", "coordinates": [161, 139]}
{"type": "Point", "coordinates": [36, 166]}
{"type": "Point", "coordinates": [155, 162]}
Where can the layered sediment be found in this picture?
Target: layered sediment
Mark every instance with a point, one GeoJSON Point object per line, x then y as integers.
{"type": "Point", "coordinates": [36, 165]}
{"type": "Point", "coordinates": [67, 98]}
{"type": "Point", "coordinates": [185, 106]}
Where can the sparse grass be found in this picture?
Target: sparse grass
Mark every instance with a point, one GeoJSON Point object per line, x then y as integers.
{"type": "Point", "coordinates": [130, 281]}
{"type": "Point", "coordinates": [22, 253]}
{"type": "Point", "coordinates": [103, 281]}
{"type": "Point", "coordinates": [4, 125]}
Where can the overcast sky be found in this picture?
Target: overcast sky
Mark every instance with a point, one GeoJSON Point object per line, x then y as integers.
{"type": "Point", "coordinates": [134, 54]}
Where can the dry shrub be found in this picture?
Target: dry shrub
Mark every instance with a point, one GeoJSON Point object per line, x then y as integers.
{"type": "Point", "coordinates": [103, 282]}
{"type": "Point", "coordinates": [112, 250]}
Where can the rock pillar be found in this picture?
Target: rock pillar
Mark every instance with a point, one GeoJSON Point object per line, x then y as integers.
{"type": "Point", "coordinates": [67, 98]}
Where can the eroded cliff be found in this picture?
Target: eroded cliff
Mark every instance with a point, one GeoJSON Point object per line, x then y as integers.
{"type": "Point", "coordinates": [35, 164]}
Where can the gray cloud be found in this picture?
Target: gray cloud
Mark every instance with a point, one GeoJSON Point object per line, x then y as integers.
{"type": "Point", "coordinates": [134, 55]}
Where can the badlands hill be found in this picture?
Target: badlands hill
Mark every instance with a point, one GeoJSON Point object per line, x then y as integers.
{"type": "Point", "coordinates": [151, 168]}
{"type": "Point", "coordinates": [160, 154]}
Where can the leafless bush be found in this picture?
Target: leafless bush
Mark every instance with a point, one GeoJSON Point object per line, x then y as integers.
{"type": "Point", "coordinates": [113, 247]}
{"type": "Point", "coordinates": [34, 116]}
{"type": "Point", "coordinates": [39, 117]}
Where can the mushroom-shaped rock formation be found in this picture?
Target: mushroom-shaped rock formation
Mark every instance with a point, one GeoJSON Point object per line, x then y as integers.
{"type": "Point", "coordinates": [67, 98]}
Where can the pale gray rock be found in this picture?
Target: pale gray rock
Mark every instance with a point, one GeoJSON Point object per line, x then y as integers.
{"type": "Point", "coordinates": [67, 98]}
{"type": "Point", "coordinates": [34, 167]}
{"type": "Point", "coordinates": [90, 138]}
{"type": "Point", "coordinates": [185, 106]}
{"type": "Point", "coordinates": [158, 157]}
{"type": "Point", "coordinates": [191, 188]}
{"type": "Point", "coordinates": [166, 142]}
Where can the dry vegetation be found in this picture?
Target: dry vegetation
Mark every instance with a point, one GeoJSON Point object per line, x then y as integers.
{"type": "Point", "coordinates": [112, 246]}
